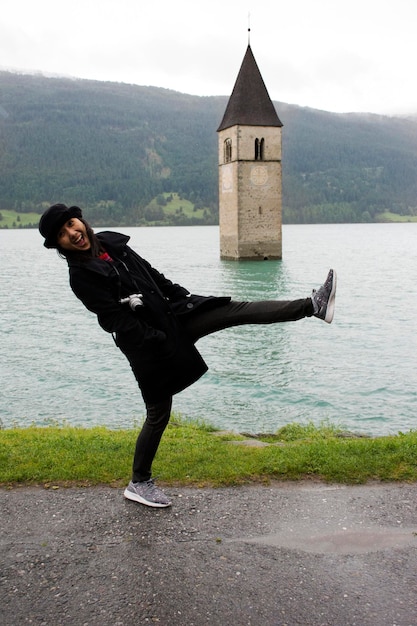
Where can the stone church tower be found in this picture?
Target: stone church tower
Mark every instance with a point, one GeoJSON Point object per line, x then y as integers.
{"type": "Point", "coordinates": [250, 177]}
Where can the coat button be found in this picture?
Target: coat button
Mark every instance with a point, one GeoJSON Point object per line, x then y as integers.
{"type": "Point", "coordinates": [190, 305]}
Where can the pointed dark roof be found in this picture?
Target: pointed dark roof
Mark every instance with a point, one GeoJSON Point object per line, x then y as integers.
{"type": "Point", "coordinates": [249, 104]}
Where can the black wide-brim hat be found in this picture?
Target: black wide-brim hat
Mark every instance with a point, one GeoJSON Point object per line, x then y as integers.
{"type": "Point", "coordinates": [52, 220]}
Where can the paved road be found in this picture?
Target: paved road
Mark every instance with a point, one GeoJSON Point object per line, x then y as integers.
{"type": "Point", "coordinates": [287, 554]}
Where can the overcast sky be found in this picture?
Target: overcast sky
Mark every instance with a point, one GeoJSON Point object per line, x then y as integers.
{"type": "Point", "coordinates": [335, 55]}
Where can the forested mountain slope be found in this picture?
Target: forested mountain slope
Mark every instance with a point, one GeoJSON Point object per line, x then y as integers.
{"type": "Point", "coordinates": [115, 147]}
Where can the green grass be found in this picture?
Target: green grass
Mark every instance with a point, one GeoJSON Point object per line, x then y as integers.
{"type": "Point", "coordinates": [12, 219]}
{"type": "Point", "coordinates": [192, 454]}
{"type": "Point", "coordinates": [387, 216]}
{"type": "Point", "coordinates": [178, 205]}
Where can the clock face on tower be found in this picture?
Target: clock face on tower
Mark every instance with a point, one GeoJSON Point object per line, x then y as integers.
{"type": "Point", "coordinates": [259, 175]}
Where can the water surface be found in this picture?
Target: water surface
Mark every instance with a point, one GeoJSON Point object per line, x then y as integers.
{"type": "Point", "coordinates": [359, 372]}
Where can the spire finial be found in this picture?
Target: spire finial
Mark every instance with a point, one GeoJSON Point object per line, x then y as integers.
{"type": "Point", "coordinates": [249, 29]}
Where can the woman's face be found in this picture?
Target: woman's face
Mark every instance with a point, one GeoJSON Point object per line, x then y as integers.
{"type": "Point", "coordinates": [73, 236]}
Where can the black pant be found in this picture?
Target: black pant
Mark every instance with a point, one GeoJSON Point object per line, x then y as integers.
{"type": "Point", "coordinates": [198, 325]}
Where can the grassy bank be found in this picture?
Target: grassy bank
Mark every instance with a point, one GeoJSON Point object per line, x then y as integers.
{"type": "Point", "coordinates": [193, 454]}
{"type": "Point", "coordinates": [387, 216]}
{"type": "Point", "coordinates": [12, 219]}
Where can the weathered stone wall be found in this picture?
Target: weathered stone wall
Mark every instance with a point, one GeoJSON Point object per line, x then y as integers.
{"type": "Point", "coordinates": [250, 194]}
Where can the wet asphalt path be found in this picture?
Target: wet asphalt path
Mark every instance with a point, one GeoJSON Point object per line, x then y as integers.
{"type": "Point", "coordinates": [292, 554]}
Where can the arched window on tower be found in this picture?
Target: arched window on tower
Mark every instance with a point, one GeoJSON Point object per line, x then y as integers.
{"type": "Point", "coordinates": [227, 150]}
{"type": "Point", "coordinates": [259, 149]}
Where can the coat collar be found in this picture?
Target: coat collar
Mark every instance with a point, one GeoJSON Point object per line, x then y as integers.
{"type": "Point", "coordinates": [110, 239]}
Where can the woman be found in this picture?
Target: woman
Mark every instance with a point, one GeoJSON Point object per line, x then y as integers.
{"type": "Point", "coordinates": [156, 323]}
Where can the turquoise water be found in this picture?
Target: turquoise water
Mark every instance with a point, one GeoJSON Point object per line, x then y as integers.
{"type": "Point", "coordinates": [359, 372]}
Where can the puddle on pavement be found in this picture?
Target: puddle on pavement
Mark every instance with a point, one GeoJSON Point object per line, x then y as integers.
{"type": "Point", "coordinates": [341, 541]}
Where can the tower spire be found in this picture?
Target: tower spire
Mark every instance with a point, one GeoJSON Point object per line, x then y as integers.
{"type": "Point", "coordinates": [249, 103]}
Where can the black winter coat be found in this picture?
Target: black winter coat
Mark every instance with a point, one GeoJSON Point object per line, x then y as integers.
{"type": "Point", "coordinates": [161, 354]}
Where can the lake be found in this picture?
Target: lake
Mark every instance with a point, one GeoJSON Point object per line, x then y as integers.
{"type": "Point", "coordinates": [359, 372]}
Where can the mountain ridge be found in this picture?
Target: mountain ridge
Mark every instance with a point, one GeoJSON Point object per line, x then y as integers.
{"type": "Point", "coordinates": [117, 147]}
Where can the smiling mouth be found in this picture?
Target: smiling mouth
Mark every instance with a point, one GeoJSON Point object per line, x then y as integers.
{"type": "Point", "coordinates": [80, 241]}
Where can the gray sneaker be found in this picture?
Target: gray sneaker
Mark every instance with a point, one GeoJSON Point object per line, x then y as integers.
{"type": "Point", "coordinates": [146, 493]}
{"type": "Point", "coordinates": [324, 298]}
